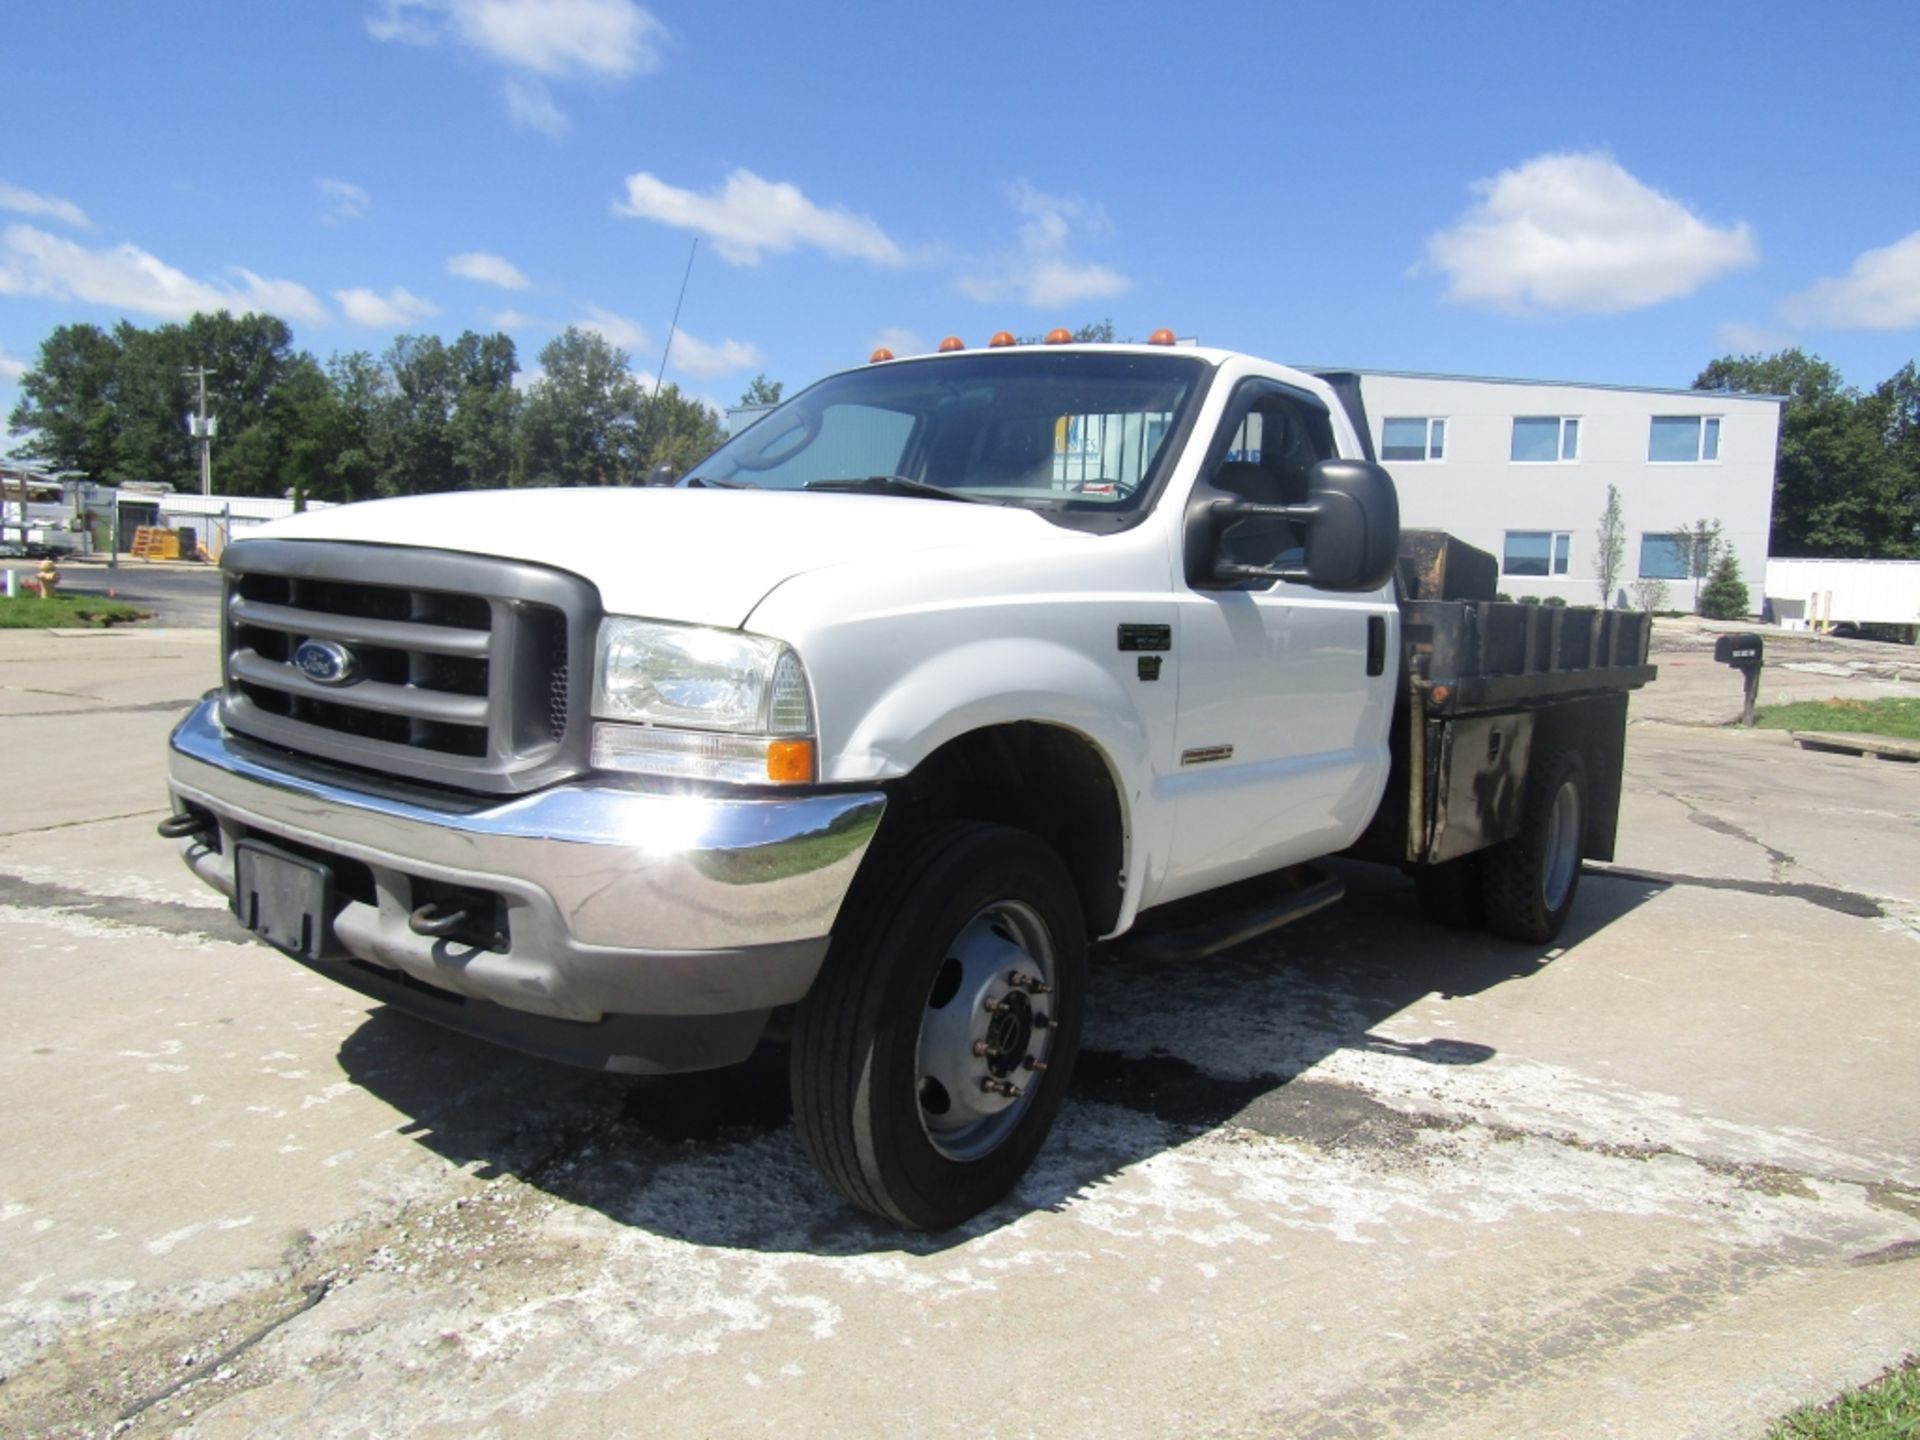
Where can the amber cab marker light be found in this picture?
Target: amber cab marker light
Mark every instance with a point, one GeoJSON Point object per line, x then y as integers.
{"type": "Point", "coordinates": [1001, 339]}
{"type": "Point", "coordinates": [1059, 335]}
{"type": "Point", "coordinates": [790, 762]}
{"type": "Point", "coordinates": [1160, 337]}
{"type": "Point", "coordinates": [952, 342]}
{"type": "Point", "coordinates": [881, 354]}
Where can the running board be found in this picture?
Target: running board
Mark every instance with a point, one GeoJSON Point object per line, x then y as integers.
{"type": "Point", "coordinates": [1204, 925]}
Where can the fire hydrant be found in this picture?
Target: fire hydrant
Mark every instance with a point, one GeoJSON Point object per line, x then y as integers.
{"type": "Point", "coordinates": [49, 578]}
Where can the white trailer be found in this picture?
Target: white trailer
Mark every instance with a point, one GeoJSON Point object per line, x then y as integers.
{"type": "Point", "coordinates": [1845, 594]}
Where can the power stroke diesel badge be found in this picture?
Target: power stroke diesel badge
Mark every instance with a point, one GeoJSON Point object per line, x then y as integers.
{"type": "Point", "coordinates": [326, 662]}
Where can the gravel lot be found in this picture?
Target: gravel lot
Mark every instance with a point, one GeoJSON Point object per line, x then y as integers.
{"type": "Point", "coordinates": [1363, 1179]}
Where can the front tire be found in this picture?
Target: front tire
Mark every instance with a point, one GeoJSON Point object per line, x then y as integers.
{"type": "Point", "coordinates": [1529, 882]}
{"type": "Point", "coordinates": [934, 1049]}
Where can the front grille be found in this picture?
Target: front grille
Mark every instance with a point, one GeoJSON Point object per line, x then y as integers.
{"type": "Point", "coordinates": [463, 667]}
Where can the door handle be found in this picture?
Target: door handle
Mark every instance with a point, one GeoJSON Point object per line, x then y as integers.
{"type": "Point", "coordinates": [1376, 645]}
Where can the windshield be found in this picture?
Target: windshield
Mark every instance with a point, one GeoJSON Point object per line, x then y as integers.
{"type": "Point", "coordinates": [1063, 431]}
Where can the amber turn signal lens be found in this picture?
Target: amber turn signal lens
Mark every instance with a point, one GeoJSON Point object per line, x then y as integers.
{"type": "Point", "coordinates": [881, 354]}
{"type": "Point", "coordinates": [1442, 694]}
{"type": "Point", "coordinates": [790, 762]}
{"type": "Point", "coordinates": [952, 342]}
{"type": "Point", "coordinates": [1001, 339]}
{"type": "Point", "coordinates": [1059, 336]}
{"type": "Point", "coordinates": [1160, 337]}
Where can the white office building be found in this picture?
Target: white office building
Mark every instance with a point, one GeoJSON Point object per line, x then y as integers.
{"type": "Point", "coordinates": [1520, 468]}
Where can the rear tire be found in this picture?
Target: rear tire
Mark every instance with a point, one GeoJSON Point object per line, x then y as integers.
{"type": "Point", "coordinates": [1530, 881]}
{"type": "Point", "coordinates": [900, 1069]}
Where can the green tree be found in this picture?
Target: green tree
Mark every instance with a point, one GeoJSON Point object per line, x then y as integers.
{"type": "Point", "coordinates": [762, 392]}
{"type": "Point", "coordinates": [66, 406]}
{"type": "Point", "coordinates": [1846, 481]}
{"type": "Point", "coordinates": [580, 421]}
{"type": "Point", "coordinates": [677, 431]}
{"type": "Point", "coordinates": [1610, 549]}
{"type": "Point", "coordinates": [1701, 545]}
{"type": "Point", "coordinates": [1725, 595]}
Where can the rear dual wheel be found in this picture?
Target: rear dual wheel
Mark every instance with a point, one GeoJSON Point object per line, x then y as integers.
{"type": "Point", "coordinates": [1528, 883]}
{"type": "Point", "coordinates": [934, 1050]}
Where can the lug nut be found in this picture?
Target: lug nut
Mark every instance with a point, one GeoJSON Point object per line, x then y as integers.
{"type": "Point", "coordinates": [1033, 1064]}
{"type": "Point", "coordinates": [1042, 1022]}
{"type": "Point", "coordinates": [1019, 979]}
{"type": "Point", "coordinates": [981, 1048]}
{"type": "Point", "coordinates": [1001, 1087]}
{"type": "Point", "coordinates": [994, 1007]}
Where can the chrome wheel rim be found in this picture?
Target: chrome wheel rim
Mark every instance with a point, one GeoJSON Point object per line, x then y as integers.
{"type": "Point", "coordinates": [1562, 860]}
{"type": "Point", "coordinates": [987, 1031]}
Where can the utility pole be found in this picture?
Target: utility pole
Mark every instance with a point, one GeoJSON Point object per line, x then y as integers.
{"type": "Point", "coordinates": [201, 427]}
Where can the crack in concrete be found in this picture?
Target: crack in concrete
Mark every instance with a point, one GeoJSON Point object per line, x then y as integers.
{"type": "Point", "coordinates": [314, 1294]}
{"type": "Point", "coordinates": [1827, 897]}
{"type": "Point", "coordinates": [168, 916]}
{"type": "Point", "coordinates": [143, 708]}
{"type": "Point", "coordinates": [1779, 861]}
{"type": "Point", "coordinates": [76, 824]}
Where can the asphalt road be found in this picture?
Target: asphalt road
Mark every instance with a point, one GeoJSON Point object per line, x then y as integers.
{"type": "Point", "coordinates": [181, 596]}
{"type": "Point", "coordinates": [1362, 1179]}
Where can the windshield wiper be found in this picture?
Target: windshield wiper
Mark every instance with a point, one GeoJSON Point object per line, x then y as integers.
{"type": "Point", "coordinates": [707, 482]}
{"type": "Point", "coordinates": [897, 485]}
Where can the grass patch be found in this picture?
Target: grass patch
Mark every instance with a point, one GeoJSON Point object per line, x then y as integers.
{"type": "Point", "coordinates": [65, 612]}
{"type": "Point", "coordinates": [1898, 718]}
{"type": "Point", "coordinates": [1888, 1409]}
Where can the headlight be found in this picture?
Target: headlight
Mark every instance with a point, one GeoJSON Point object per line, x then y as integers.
{"type": "Point", "coordinates": [701, 704]}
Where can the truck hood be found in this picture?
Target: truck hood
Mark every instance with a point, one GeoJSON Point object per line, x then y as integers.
{"type": "Point", "coordinates": [706, 557]}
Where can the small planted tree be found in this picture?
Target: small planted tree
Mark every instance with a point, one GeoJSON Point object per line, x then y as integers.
{"type": "Point", "coordinates": [1610, 553]}
{"type": "Point", "coordinates": [1725, 595]}
{"type": "Point", "coordinates": [1650, 595]}
{"type": "Point", "coordinates": [1700, 546]}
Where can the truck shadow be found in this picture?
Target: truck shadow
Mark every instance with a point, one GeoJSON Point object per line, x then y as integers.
{"type": "Point", "coordinates": [1170, 1052]}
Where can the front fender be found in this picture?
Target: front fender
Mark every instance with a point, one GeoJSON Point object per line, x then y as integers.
{"type": "Point", "coordinates": [996, 682]}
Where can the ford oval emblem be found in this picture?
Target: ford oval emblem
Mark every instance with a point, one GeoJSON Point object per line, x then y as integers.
{"type": "Point", "coordinates": [326, 662]}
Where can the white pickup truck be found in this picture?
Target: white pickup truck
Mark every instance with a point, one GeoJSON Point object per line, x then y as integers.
{"type": "Point", "coordinates": [862, 735]}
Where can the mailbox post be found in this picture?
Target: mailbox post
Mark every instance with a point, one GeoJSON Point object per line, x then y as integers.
{"type": "Point", "coordinates": [1745, 653]}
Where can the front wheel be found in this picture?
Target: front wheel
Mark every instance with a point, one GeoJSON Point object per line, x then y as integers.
{"type": "Point", "coordinates": [933, 1052]}
{"type": "Point", "coordinates": [1529, 882]}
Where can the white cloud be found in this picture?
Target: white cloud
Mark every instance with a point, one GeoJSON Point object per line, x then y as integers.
{"type": "Point", "coordinates": [511, 320]}
{"type": "Point", "coordinates": [1740, 339]}
{"type": "Point", "coordinates": [1880, 292]}
{"type": "Point", "coordinates": [749, 216]}
{"type": "Point", "coordinates": [12, 371]}
{"type": "Point", "coordinates": [539, 40]}
{"type": "Point", "coordinates": [629, 335]}
{"type": "Point", "coordinates": [1577, 232]}
{"type": "Point", "coordinates": [704, 361]}
{"type": "Point", "coordinates": [530, 105]}
{"type": "Point", "coordinates": [125, 277]}
{"type": "Point", "coordinates": [488, 269]}
{"type": "Point", "coordinates": [1044, 272]}
{"type": "Point", "coordinates": [902, 342]}
{"type": "Point", "coordinates": [341, 201]}
{"type": "Point", "coordinates": [384, 312]}
{"type": "Point", "coordinates": [27, 202]}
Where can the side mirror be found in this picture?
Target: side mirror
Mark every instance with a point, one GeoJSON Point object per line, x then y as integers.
{"type": "Point", "coordinates": [1352, 524]}
{"type": "Point", "coordinates": [661, 475]}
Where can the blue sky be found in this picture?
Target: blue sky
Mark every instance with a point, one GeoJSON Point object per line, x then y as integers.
{"type": "Point", "coordinates": [1614, 193]}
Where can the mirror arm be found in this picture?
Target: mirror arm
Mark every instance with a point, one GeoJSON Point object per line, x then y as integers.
{"type": "Point", "coordinates": [1230, 512]}
{"type": "Point", "coordinates": [1228, 573]}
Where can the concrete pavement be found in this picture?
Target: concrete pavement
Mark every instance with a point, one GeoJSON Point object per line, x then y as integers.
{"type": "Point", "coordinates": [1363, 1179]}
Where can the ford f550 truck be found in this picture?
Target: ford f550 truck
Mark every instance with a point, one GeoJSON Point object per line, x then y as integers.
{"type": "Point", "coordinates": [862, 735]}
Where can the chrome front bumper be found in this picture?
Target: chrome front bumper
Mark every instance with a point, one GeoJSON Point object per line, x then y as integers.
{"type": "Point", "coordinates": [620, 901]}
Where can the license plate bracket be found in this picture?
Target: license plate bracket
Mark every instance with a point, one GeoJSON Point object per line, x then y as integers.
{"type": "Point", "coordinates": [287, 900]}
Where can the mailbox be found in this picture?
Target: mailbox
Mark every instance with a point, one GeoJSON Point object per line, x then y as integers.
{"type": "Point", "coordinates": [1742, 652]}
{"type": "Point", "coordinates": [1745, 653]}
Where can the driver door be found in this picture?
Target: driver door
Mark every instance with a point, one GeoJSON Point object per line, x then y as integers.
{"type": "Point", "coordinates": [1283, 704]}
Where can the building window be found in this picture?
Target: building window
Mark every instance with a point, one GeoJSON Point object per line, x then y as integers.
{"type": "Point", "coordinates": [1413, 438]}
{"type": "Point", "coordinates": [1537, 552]}
{"type": "Point", "coordinates": [1545, 439]}
{"type": "Point", "coordinates": [1684, 439]}
{"type": "Point", "coordinates": [1664, 557]}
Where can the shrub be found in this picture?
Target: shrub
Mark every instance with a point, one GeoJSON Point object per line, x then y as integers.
{"type": "Point", "coordinates": [1725, 595]}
